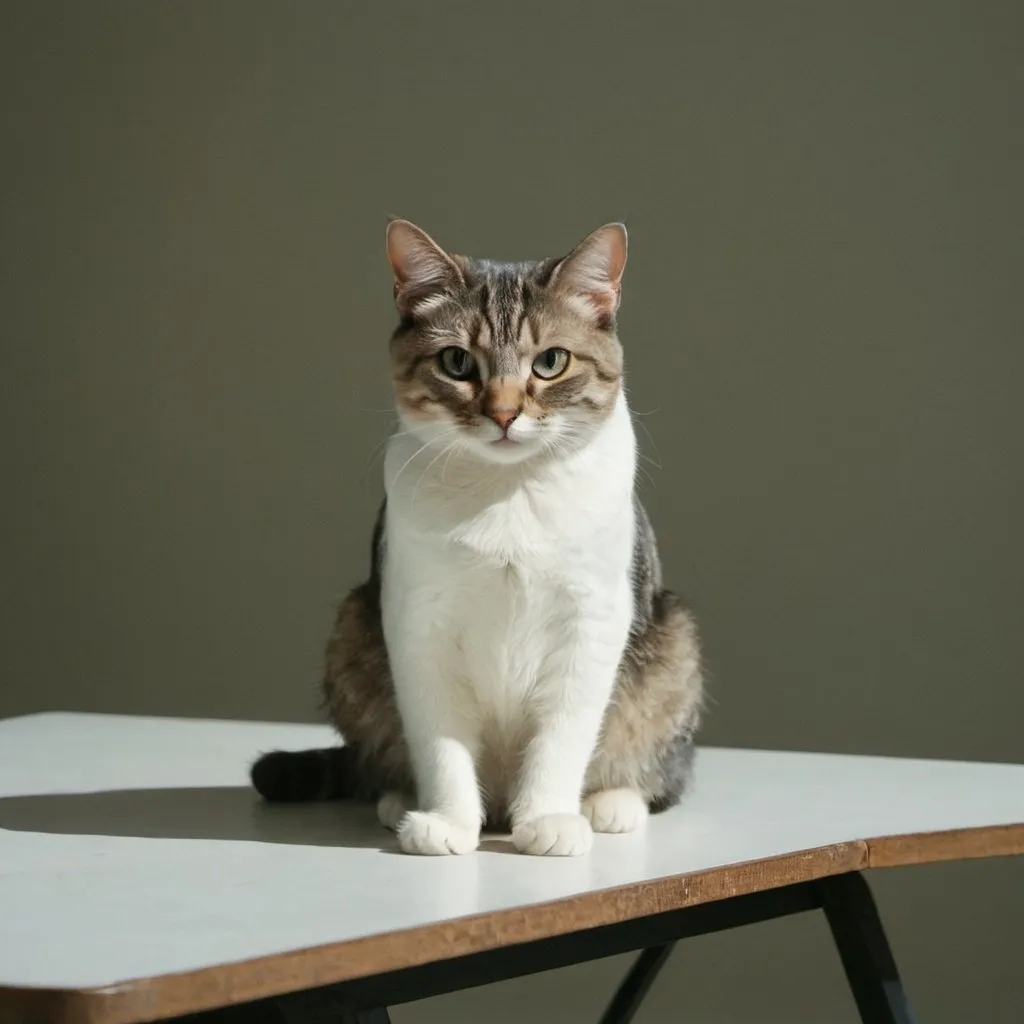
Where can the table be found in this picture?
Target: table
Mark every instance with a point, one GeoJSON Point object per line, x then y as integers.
{"type": "Point", "coordinates": [141, 878]}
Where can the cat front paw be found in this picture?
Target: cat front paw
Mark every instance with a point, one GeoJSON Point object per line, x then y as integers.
{"type": "Point", "coordinates": [554, 835]}
{"type": "Point", "coordinates": [392, 807]}
{"type": "Point", "coordinates": [432, 834]}
{"type": "Point", "coordinates": [615, 810]}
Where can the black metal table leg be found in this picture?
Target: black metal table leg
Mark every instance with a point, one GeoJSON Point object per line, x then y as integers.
{"type": "Point", "coordinates": [635, 986]}
{"type": "Point", "coordinates": [864, 950]}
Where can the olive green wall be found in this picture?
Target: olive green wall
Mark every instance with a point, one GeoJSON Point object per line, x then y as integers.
{"type": "Point", "coordinates": [825, 338]}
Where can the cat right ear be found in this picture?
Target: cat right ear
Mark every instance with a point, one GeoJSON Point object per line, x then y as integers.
{"type": "Point", "coordinates": [591, 275]}
{"type": "Point", "coordinates": [423, 270]}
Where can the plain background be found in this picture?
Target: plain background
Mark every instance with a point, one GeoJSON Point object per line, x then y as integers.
{"type": "Point", "coordinates": [823, 321]}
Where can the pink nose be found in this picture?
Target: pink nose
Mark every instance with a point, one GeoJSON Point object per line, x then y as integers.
{"type": "Point", "coordinates": [503, 417]}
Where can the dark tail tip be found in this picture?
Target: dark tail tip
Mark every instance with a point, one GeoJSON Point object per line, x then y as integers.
{"type": "Point", "coordinates": [285, 776]}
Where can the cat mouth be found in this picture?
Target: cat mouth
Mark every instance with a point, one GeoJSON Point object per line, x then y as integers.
{"type": "Point", "coordinates": [504, 441]}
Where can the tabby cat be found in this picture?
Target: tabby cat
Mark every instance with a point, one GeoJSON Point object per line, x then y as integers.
{"type": "Point", "coordinates": [513, 659]}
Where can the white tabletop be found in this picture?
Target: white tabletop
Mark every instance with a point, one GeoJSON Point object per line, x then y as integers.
{"type": "Point", "coordinates": [133, 847]}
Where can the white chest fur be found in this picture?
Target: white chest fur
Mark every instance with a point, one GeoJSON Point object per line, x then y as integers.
{"type": "Point", "coordinates": [506, 596]}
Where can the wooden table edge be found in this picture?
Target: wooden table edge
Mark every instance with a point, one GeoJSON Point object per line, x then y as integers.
{"type": "Point", "coordinates": [174, 995]}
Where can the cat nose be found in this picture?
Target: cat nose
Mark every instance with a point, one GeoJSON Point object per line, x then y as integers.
{"type": "Point", "coordinates": [503, 417]}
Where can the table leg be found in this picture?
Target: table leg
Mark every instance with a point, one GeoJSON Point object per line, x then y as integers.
{"type": "Point", "coordinates": [630, 994]}
{"type": "Point", "coordinates": [864, 950]}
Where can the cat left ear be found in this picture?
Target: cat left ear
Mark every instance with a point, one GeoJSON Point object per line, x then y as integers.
{"type": "Point", "coordinates": [591, 275]}
{"type": "Point", "coordinates": [422, 268]}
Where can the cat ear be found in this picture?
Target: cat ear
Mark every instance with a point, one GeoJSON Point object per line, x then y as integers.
{"type": "Point", "coordinates": [422, 268]}
{"type": "Point", "coordinates": [591, 275]}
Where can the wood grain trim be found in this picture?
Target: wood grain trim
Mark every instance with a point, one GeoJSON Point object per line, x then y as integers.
{"type": "Point", "coordinates": [958, 844]}
{"type": "Point", "coordinates": [173, 995]}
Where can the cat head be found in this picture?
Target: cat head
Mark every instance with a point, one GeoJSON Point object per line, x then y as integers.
{"type": "Point", "coordinates": [506, 360]}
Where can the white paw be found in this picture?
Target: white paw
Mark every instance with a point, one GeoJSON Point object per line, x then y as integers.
{"type": "Point", "coordinates": [392, 807]}
{"type": "Point", "coordinates": [554, 835]}
{"type": "Point", "coordinates": [430, 833]}
{"type": "Point", "coordinates": [615, 810]}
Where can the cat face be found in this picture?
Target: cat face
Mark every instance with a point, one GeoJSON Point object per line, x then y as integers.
{"type": "Point", "coordinates": [506, 361]}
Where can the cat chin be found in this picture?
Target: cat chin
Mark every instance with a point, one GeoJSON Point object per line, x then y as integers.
{"type": "Point", "coordinates": [505, 453]}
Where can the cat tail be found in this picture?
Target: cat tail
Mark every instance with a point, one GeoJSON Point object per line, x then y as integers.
{"type": "Point", "coordinates": [292, 776]}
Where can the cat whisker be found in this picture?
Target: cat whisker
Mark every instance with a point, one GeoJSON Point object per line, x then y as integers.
{"type": "Point", "coordinates": [405, 465]}
{"type": "Point", "coordinates": [557, 446]}
{"type": "Point", "coordinates": [444, 451]}
{"type": "Point", "coordinates": [456, 446]}
{"type": "Point", "coordinates": [379, 450]}
{"type": "Point", "coordinates": [643, 427]}
{"type": "Point", "coordinates": [647, 476]}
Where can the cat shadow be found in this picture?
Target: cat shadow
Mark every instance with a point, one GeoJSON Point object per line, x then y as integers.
{"type": "Point", "coordinates": [232, 813]}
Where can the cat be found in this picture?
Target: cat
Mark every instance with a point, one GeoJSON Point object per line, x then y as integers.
{"type": "Point", "coordinates": [513, 659]}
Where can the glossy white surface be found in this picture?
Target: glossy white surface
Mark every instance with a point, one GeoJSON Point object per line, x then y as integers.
{"type": "Point", "coordinates": [131, 847]}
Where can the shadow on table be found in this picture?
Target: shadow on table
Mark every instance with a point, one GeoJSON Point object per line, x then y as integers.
{"type": "Point", "coordinates": [226, 812]}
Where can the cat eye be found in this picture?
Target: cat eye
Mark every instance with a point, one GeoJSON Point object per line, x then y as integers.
{"type": "Point", "coordinates": [456, 363]}
{"type": "Point", "coordinates": [551, 363]}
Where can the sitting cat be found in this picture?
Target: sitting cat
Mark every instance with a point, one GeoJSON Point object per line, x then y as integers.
{"type": "Point", "coordinates": [513, 658]}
